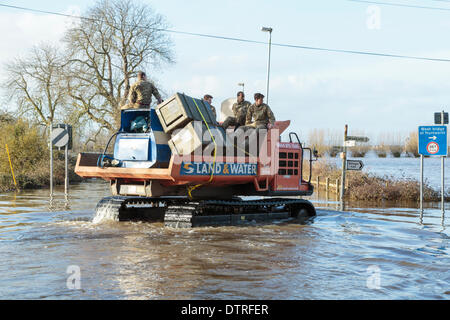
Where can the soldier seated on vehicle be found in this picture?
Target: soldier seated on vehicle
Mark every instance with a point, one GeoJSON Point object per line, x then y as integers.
{"type": "Point", "coordinates": [240, 112]}
{"type": "Point", "coordinates": [141, 92]}
{"type": "Point", "coordinates": [208, 98]}
{"type": "Point", "coordinates": [259, 114]}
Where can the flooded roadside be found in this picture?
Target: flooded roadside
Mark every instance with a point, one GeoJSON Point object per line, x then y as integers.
{"type": "Point", "coordinates": [374, 252]}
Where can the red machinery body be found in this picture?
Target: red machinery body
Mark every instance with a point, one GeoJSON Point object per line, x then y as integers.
{"type": "Point", "coordinates": [277, 170]}
{"type": "Point", "coordinates": [150, 177]}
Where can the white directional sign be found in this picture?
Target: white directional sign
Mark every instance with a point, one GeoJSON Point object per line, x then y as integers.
{"type": "Point", "coordinates": [60, 137]}
{"type": "Point", "coordinates": [355, 165]}
{"type": "Point", "coordinates": [350, 143]}
{"type": "Point", "coordinates": [354, 138]}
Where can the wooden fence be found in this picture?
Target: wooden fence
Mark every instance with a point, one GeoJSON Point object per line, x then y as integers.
{"type": "Point", "coordinates": [330, 185]}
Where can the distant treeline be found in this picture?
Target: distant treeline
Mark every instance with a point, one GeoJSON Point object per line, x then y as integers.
{"type": "Point", "coordinates": [327, 142]}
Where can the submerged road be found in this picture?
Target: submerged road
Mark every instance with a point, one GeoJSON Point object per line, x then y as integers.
{"type": "Point", "coordinates": [365, 253]}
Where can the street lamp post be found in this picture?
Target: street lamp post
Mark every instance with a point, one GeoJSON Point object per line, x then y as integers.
{"type": "Point", "coordinates": [269, 30]}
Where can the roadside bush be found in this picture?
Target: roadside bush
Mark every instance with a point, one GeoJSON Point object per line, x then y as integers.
{"type": "Point", "coordinates": [26, 146]}
{"type": "Point", "coordinates": [367, 187]}
{"type": "Point", "coordinates": [29, 156]}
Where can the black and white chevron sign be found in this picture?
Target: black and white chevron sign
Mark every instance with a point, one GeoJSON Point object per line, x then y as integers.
{"type": "Point", "coordinates": [60, 137]}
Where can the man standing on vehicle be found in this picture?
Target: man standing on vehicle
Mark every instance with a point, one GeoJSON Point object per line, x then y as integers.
{"type": "Point", "coordinates": [259, 114]}
{"type": "Point", "coordinates": [141, 92]}
{"type": "Point", "coordinates": [240, 112]}
{"type": "Point", "coordinates": [208, 98]}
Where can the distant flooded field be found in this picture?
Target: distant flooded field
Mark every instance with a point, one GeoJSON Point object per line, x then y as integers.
{"type": "Point", "coordinates": [368, 252]}
{"type": "Point", "coordinates": [405, 168]}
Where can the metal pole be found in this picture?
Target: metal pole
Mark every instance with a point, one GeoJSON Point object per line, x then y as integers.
{"type": "Point", "coordinates": [51, 159]}
{"type": "Point", "coordinates": [442, 185]}
{"type": "Point", "coordinates": [344, 168]}
{"type": "Point", "coordinates": [442, 172]}
{"type": "Point", "coordinates": [268, 67]}
{"type": "Point", "coordinates": [421, 184]}
{"type": "Point", "coordinates": [66, 181]}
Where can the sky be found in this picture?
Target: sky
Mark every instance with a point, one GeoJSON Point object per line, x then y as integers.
{"type": "Point", "coordinates": [314, 89]}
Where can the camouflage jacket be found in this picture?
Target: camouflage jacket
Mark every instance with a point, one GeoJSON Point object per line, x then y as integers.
{"type": "Point", "coordinates": [141, 92]}
{"type": "Point", "coordinates": [213, 109]}
{"type": "Point", "coordinates": [260, 114]}
{"type": "Point", "coordinates": [240, 111]}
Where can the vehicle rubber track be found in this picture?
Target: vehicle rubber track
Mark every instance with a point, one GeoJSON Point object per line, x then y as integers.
{"type": "Point", "coordinates": [108, 209]}
{"type": "Point", "coordinates": [120, 208]}
{"type": "Point", "coordinates": [233, 212]}
{"type": "Point", "coordinates": [184, 213]}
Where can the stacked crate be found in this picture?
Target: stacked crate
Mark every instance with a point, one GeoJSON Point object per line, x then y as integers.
{"type": "Point", "coordinates": [184, 118]}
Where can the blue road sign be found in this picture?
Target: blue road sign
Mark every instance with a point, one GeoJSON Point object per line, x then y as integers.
{"type": "Point", "coordinates": [433, 140]}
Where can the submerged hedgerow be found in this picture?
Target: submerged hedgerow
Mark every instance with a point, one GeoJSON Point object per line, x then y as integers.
{"type": "Point", "coordinates": [369, 187]}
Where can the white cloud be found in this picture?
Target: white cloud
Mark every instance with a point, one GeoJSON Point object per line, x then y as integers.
{"type": "Point", "coordinates": [28, 29]}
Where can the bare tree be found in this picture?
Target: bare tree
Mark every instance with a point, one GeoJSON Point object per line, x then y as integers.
{"type": "Point", "coordinates": [114, 40]}
{"type": "Point", "coordinates": [36, 83]}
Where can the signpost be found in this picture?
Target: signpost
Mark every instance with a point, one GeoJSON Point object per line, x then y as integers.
{"type": "Point", "coordinates": [50, 127]}
{"type": "Point", "coordinates": [438, 116]}
{"type": "Point", "coordinates": [359, 139]}
{"type": "Point", "coordinates": [349, 141]}
{"type": "Point", "coordinates": [60, 137]}
{"type": "Point", "coordinates": [433, 142]}
{"type": "Point", "coordinates": [356, 165]}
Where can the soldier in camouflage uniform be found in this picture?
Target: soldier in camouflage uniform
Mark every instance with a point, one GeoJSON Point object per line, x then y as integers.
{"type": "Point", "coordinates": [260, 113]}
{"type": "Point", "coordinates": [140, 95]}
{"type": "Point", "coordinates": [208, 98]}
{"type": "Point", "coordinates": [240, 112]}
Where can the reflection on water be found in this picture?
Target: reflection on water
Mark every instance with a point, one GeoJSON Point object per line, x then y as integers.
{"type": "Point", "coordinates": [328, 258]}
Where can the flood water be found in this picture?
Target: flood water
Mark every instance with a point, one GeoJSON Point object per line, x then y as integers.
{"type": "Point", "coordinates": [405, 168]}
{"type": "Point", "coordinates": [363, 253]}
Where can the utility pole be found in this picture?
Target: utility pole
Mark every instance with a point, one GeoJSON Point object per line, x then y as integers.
{"type": "Point", "coordinates": [344, 164]}
{"type": "Point", "coordinates": [269, 30]}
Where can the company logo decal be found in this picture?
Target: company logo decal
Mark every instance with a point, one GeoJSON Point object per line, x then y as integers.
{"type": "Point", "coordinates": [220, 169]}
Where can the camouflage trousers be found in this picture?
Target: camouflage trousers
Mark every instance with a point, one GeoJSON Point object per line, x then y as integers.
{"type": "Point", "coordinates": [257, 125]}
{"type": "Point", "coordinates": [230, 121]}
{"type": "Point", "coordinates": [134, 106]}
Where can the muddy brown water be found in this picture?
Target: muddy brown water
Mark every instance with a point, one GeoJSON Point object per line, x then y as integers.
{"type": "Point", "coordinates": [368, 252]}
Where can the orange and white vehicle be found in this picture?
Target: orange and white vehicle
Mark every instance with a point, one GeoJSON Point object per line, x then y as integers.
{"type": "Point", "coordinates": [205, 188]}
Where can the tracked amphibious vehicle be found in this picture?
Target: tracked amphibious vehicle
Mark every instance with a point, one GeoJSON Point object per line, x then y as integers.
{"type": "Point", "coordinates": [174, 163]}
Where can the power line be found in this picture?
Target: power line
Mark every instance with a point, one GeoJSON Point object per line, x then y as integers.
{"type": "Point", "coordinates": [247, 40]}
{"type": "Point", "coordinates": [402, 5]}
{"type": "Point", "coordinates": [448, 1]}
